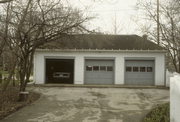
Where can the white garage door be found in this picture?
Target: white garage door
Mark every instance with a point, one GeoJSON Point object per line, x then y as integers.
{"type": "Point", "coordinates": [99, 71]}
{"type": "Point", "coordinates": [139, 72]}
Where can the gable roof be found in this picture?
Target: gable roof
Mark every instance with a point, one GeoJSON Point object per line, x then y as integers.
{"type": "Point", "coordinates": [102, 42]}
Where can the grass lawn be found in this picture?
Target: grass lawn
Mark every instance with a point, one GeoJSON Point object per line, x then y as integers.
{"type": "Point", "coordinates": [159, 114]}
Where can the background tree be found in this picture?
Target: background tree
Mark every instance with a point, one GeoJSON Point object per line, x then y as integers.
{"type": "Point", "coordinates": [116, 25]}
{"type": "Point", "coordinates": [8, 63]}
{"type": "Point", "coordinates": [169, 26]}
{"type": "Point", "coordinates": [5, 1]}
{"type": "Point", "coordinates": [35, 22]}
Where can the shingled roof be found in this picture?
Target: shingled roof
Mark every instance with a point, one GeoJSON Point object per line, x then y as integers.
{"type": "Point", "coordinates": [102, 42]}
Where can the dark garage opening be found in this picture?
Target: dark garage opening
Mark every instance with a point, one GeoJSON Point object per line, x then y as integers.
{"type": "Point", "coordinates": [60, 71]}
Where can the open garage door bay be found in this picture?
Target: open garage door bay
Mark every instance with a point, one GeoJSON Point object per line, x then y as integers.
{"type": "Point", "coordinates": [60, 71]}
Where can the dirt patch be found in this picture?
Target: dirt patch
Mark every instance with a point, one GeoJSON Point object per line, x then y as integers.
{"type": "Point", "coordinates": [9, 101]}
{"type": "Point", "coordinates": [142, 96]}
{"type": "Point", "coordinates": [98, 94]}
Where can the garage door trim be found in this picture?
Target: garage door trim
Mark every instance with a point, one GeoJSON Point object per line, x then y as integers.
{"type": "Point", "coordinates": [139, 58]}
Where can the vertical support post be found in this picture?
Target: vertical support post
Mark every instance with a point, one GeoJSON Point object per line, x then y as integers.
{"type": "Point", "coordinates": [158, 38]}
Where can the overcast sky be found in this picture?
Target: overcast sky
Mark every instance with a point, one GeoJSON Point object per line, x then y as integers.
{"type": "Point", "coordinates": [106, 11]}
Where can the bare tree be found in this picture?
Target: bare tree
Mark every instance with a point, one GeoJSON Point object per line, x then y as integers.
{"type": "Point", "coordinates": [116, 25]}
{"type": "Point", "coordinates": [5, 1]}
{"type": "Point", "coordinates": [9, 65]}
{"type": "Point", "coordinates": [4, 29]}
{"type": "Point", "coordinates": [169, 26]}
{"type": "Point", "coordinates": [35, 22]}
{"type": "Point", "coordinates": [4, 50]}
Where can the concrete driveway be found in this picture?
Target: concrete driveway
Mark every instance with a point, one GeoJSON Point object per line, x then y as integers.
{"type": "Point", "coordinates": [69, 104]}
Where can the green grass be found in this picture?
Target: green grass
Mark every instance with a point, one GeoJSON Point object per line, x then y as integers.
{"type": "Point", "coordinates": [159, 114]}
{"type": "Point", "coordinates": [3, 72]}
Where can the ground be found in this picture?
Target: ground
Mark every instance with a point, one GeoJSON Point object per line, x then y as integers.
{"type": "Point", "coordinates": [69, 104]}
{"type": "Point", "coordinates": [159, 114]}
{"type": "Point", "coordinates": [9, 100]}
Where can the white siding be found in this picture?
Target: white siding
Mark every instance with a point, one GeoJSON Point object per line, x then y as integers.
{"type": "Point", "coordinates": [119, 70]}
{"type": "Point", "coordinates": [79, 70]}
{"type": "Point", "coordinates": [175, 100]}
{"type": "Point", "coordinates": [39, 68]}
{"type": "Point", "coordinates": [79, 56]}
{"type": "Point", "coordinates": [160, 70]}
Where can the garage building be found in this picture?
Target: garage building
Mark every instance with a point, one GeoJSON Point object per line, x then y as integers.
{"type": "Point", "coordinates": [100, 60]}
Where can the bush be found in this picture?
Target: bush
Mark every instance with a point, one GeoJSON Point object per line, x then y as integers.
{"type": "Point", "coordinates": [159, 114]}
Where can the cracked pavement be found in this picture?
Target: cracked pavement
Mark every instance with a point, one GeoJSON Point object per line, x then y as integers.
{"type": "Point", "coordinates": [72, 104]}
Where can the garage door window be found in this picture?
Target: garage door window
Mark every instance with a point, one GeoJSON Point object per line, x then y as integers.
{"type": "Point", "coordinates": [88, 68]}
{"type": "Point", "coordinates": [142, 69]}
{"type": "Point", "coordinates": [95, 68]}
{"type": "Point", "coordinates": [135, 69]}
{"type": "Point", "coordinates": [109, 68]}
{"type": "Point", "coordinates": [149, 69]}
{"type": "Point", "coordinates": [99, 68]}
{"type": "Point", "coordinates": [128, 69]}
{"type": "Point", "coordinates": [102, 68]}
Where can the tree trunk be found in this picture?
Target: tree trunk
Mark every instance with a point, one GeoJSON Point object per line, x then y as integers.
{"type": "Point", "coordinates": [24, 73]}
{"type": "Point", "coordinates": [23, 96]}
{"type": "Point", "coordinates": [22, 86]}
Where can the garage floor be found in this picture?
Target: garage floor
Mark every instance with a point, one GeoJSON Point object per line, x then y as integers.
{"type": "Point", "coordinates": [60, 104]}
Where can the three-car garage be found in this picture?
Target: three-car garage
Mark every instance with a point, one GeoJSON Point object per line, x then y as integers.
{"type": "Point", "coordinates": [100, 59]}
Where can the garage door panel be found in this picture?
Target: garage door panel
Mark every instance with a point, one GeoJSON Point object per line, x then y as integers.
{"type": "Point", "coordinates": [100, 62]}
{"type": "Point", "coordinates": [139, 75]}
{"type": "Point", "coordinates": [143, 74]}
{"type": "Point", "coordinates": [104, 74]}
{"type": "Point", "coordinates": [94, 81]}
{"type": "Point", "coordinates": [109, 76]}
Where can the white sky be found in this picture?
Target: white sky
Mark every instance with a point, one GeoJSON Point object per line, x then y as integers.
{"type": "Point", "coordinates": [106, 11]}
